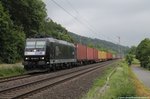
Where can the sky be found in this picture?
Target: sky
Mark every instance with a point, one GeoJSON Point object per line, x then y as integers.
{"type": "Point", "coordinates": [103, 19]}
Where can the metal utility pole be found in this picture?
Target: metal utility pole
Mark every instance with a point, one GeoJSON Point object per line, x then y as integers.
{"type": "Point", "coordinates": [119, 47]}
{"type": "Point", "coordinates": [80, 40]}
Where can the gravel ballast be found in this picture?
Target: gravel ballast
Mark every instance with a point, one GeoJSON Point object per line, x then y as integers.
{"type": "Point", "coordinates": [42, 76]}
{"type": "Point", "coordinates": [73, 89]}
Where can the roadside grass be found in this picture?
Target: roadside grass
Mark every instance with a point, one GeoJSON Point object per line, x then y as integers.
{"type": "Point", "coordinates": [7, 70]}
{"type": "Point", "coordinates": [120, 84]}
{"type": "Point", "coordinates": [98, 83]}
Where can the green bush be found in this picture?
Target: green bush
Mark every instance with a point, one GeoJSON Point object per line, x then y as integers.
{"type": "Point", "coordinates": [11, 71]}
{"type": "Point", "coordinates": [129, 58]}
{"type": "Point", "coordinates": [143, 53]}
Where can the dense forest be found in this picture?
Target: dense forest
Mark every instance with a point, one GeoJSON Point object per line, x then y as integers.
{"type": "Point", "coordinates": [21, 19]}
{"type": "Point", "coordinates": [99, 44]}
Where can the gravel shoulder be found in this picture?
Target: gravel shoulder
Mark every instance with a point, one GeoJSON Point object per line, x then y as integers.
{"type": "Point", "coordinates": [142, 74]}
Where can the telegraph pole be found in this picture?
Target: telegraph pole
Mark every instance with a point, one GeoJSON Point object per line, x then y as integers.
{"type": "Point", "coordinates": [119, 47]}
{"type": "Point", "coordinates": [80, 40]}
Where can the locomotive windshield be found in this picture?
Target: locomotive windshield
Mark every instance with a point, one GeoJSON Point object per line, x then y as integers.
{"type": "Point", "coordinates": [35, 47]}
{"type": "Point", "coordinates": [35, 44]}
{"type": "Point", "coordinates": [40, 44]}
{"type": "Point", "coordinates": [30, 44]}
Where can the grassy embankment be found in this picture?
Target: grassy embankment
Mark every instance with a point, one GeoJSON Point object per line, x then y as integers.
{"type": "Point", "coordinates": [7, 70]}
{"type": "Point", "coordinates": [120, 84]}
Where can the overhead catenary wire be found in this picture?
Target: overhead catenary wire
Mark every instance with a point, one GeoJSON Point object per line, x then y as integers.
{"type": "Point", "coordinates": [72, 15]}
{"type": "Point", "coordinates": [85, 24]}
{"type": "Point", "coordinates": [83, 19]}
{"type": "Point", "coordinates": [89, 27]}
{"type": "Point", "coordinates": [73, 8]}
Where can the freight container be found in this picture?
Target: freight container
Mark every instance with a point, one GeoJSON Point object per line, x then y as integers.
{"type": "Point", "coordinates": [109, 56]}
{"type": "Point", "coordinates": [81, 52]}
{"type": "Point", "coordinates": [95, 55]}
{"type": "Point", "coordinates": [90, 54]}
{"type": "Point", "coordinates": [102, 55]}
{"type": "Point", "coordinates": [99, 55]}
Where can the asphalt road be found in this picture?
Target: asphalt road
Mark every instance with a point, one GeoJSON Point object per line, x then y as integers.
{"type": "Point", "coordinates": [143, 75]}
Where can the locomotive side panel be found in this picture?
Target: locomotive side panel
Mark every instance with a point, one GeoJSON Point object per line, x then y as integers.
{"type": "Point", "coordinates": [62, 53]}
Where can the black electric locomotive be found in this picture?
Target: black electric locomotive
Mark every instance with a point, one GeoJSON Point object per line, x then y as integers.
{"type": "Point", "coordinates": [48, 53]}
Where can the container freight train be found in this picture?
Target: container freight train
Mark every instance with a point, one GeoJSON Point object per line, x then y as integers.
{"type": "Point", "coordinates": [50, 54]}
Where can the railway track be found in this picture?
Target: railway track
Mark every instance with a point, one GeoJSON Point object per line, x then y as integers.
{"type": "Point", "coordinates": [6, 79]}
{"type": "Point", "coordinates": [18, 77]}
{"type": "Point", "coordinates": [33, 87]}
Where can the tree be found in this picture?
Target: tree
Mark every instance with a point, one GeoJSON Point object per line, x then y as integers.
{"type": "Point", "coordinates": [21, 19]}
{"type": "Point", "coordinates": [143, 53]}
{"type": "Point", "coordinates": [27, 14]}
{"type": "Point", "coordinates": [56, 30]}
{"type": "Point", "coordinates": [129, 58]}
{"type": "Point", "coordinates": [132, 50]}
{"type": "Point", "coordinates": [10, 38]}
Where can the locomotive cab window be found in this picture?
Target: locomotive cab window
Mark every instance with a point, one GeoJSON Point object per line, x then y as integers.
{"type": "Point", "coordinates": [35, 44]}
{"type": "Point", "coordinates": [35, 47]}
{"type": "Point", "coordinates": [40, 44]}
{"type": "Point", "coordinates": [30, 44]}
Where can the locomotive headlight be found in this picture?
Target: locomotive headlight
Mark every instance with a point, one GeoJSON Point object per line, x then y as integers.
{"type": "Point", "coordinates": [42, 58]}
{"type": "Point", "coordinates": [26, 58]}
{"type": "Point", "coordinates": [34, 50]}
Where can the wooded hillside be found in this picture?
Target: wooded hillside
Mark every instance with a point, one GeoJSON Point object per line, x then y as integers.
{"type": "Point", "coordinates": [100, 44]}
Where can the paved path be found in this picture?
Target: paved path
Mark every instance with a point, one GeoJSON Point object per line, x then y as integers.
{"type": "Point", "coordinates": [142, 74]}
